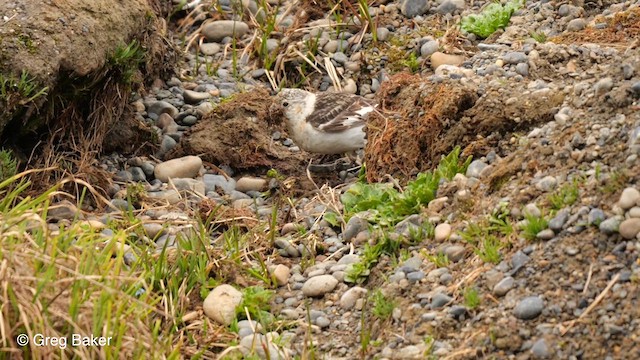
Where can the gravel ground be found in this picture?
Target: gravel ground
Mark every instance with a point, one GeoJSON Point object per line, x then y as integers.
{"type": "Point", "coordinates": [567, 291]}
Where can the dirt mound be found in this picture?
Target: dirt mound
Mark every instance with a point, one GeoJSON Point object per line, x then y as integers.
{"type": "Point", "coordinates": [68, 69]}
{"type": "Point", "coordinates": [622, 29]}
{"type": "Point", "coordinates": [238, 133]}
{"type": "Point", "coordinates": [420, 121]}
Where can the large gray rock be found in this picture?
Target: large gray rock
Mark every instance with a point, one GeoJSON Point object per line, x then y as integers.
{"type": "Point", "coordinates": [413, 8]}
{"type": "Point", "coordinates": [218, 30]}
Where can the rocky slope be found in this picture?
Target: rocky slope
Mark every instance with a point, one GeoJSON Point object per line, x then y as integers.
{"type": "Point", "coordinates": [531, 252]}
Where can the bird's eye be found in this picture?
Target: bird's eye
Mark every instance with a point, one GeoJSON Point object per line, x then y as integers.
{"type": "Point", "coordinates": [285, 104]}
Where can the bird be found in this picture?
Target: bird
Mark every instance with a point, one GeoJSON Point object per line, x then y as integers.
{"type": "Point", "coordinates": [325, 123]}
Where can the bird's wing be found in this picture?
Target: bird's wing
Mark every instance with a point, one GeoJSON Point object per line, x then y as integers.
{"type": "Point", "coordinates": [337, 112]}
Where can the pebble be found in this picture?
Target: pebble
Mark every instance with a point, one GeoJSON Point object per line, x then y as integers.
{"type": "Point", "coordinates": [382, 33]}
{"type": "Point", "coordinates": [603, 85]}
{"type": "Point", "coordinates": [576, 24]}
{"type": "Point", "coordinates": [629, 198]}
{"type": "Point", "coordinates": [349, 298]}
{"type": "Point", "coordinates": [217, 30]}
{"type": "Point", "coordinates": [281, 273]}
{"type": "Point", "coordinates": [531, 210]}
{"type": "Point", "coordinates": [439, 58]}
{"type": "Point", "coordinates": [429, 48]}
{"type": "Point", "coordinates": [161, 107]}
{"type": "Point", "coordinates": [455, 253]}
{"type": "Point", "coordinates": [515, 57]}
{"type": "Point", "coordinates": [354, 226]}
{"type": "Point", "coordinates": [475, 168]}
{"type": "Point", "coordinates": [413, 8]}
{"type": "Point", "coordinates": [596, 216]}
{"type": "Point", "coordinates": [220, 305]}
{"type": "Point", "coordinates": [214, 182]}
{"type": "Point", "coordinates": [630, 228]}
{"type": "Point", "coordinates": [557, 222]}
{"type": "Point", "coordinates": [610, 225]}
{"type": "Point", "coordinates": [319, 285]}
{"type": "Point", "coordinates": [442, 232]}
{"type": "Point", "coordinates": [171, 196]}
{"type": "Point", "coordinates": [194, 97]}
{"type": "Point", "coordinates": [547, 183]}
{"type": "Point", "coordinates": [184, 167]}
{"type": "Point", "coordinates": [247, 183]}
{"type": "Point", "coordinates": [187, 184]}
{"type": "Point", "coordinates": [137, 174]}
{"type": "Point", "coordinates": [414, 277]}
{"type": "Point", "coordinates": [504, 286]}
{"type": "Point", "coordinates": [540, 350]}
{"type": "Point", "coordinates": [529, 308]}
{"type": "Point", "coordinates": [439, 300]}
{"type": "Point", "coordinates": [210, 49]}
{"type": "Point", "coordinates": [546, 234]}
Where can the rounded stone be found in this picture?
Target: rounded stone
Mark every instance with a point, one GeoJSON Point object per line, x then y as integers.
{"type": "Point", "coordinates": [442, 232]}
{"type": "Point", "coordinates": [439, 58]}
{"type": "Point", "coordinates": [629, 228]}
{"type": "Point", "coordinates": [247, 183]}
{"type": "Point", "coordinates": [504, 286]}
{"type": "Point", "coordinates": [629, 198]}
{"type": "Point", "coordinates": [281, 273]}
{"type": "Point", "coordinates": [349, 298]}
{"type": "Point", "coordinates": [319, 285]}
{"type": "Point", "coordinates": [220, 305]}
{"type": "Point", "coordinates": [184, 167]}
{"type": "Point", "coordinates": [529, 308]}
{"type": "Point", "coordinates": [217, 30]}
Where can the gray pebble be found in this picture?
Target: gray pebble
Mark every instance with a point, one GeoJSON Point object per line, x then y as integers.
{"type": "Point", "coordinates": [610, 225]}
{"type": "Point", "coordinates": [529, 308]}
{"type": "Point", "coordinates": [413, 8]}
{"type": "Point", "coordinates": [546, 234]}
{"type": "Point", "coordinates": [596, 216]}
{"type": "Point", "coordinates": [428, 48]}
{"type": "Point", "coordinates": [123, 176]}
{"type": "Point", "coordinates": [475, 168]}
{"type": "Point", "coordinates": [540, 350]}
{"type": "Point", "coordinates": [504, 286]}
{"type": "Point", "coordinates": [515, 57]}
{"type": "Point", "coordinates": [557, 222]}
{"type": "Point", "coordinates": [137, 174]}
{"type": "Point", "coordinates": [439, 300]}
{"type": "Point", "coordinates": [576, 24]}
{"type": "Point", "coordinates": [415, 276]}
{"type": "Point", "coordinates": [547, 183]}
{"type": "Point", "coordinates": [354, 226]}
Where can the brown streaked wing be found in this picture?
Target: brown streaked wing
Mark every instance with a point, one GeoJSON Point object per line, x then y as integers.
{"type": "Point", "coordinates": [335, 112]}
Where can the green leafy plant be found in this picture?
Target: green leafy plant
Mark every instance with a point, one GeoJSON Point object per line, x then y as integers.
{"type": "Point", "coordinates": [126, 59]}
{"type": "Point", "coordinates": [493, 17]}
{"type": "Point", "coordinates": [566, 195]}
{"type": "Point", "coordinates": [19, 91]}
{"type": "Point", "coordinates": [388, 206]}
{"type": "Point", "coordinates": [382, 305]}
{"type": "Point", "coordinates": [439, 259]}
{"type": "Point", "coordinates": [256, 301]}
{"type": "Point", "coordinates": [539, 36]}
{"type": "Point", "coordinates": [8, 165]}
{"type": "Point", "coordinates": [489, 249]}
{"type": "Point", "coordinates": [471, 298]}
{"type": "Point", "coordinates": [533, 225]}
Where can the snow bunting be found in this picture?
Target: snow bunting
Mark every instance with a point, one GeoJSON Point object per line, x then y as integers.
{"type": "Point", "coordinates": [325, 123]}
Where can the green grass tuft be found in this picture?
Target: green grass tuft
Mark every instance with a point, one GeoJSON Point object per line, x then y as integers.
{"type": "Point", "coordinates": [533, 225]}
{"type": "Point", "coordinates": [493, 17]}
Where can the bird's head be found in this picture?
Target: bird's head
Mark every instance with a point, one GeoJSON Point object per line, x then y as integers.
{"type": "Point", "coordinates": [292, 102]}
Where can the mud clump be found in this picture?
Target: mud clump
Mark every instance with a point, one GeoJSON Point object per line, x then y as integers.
{"type": "Point", "coordinates": [419, 122]}
{"type": "Point", "coordinates": [238, 133]}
